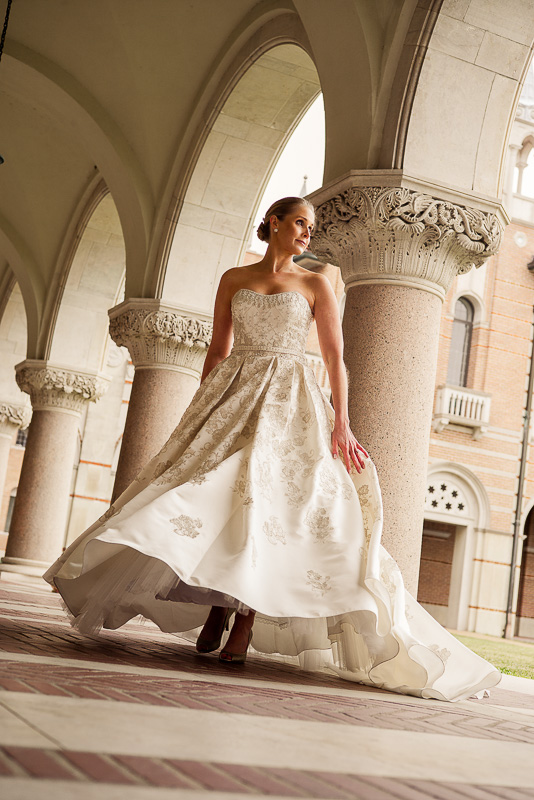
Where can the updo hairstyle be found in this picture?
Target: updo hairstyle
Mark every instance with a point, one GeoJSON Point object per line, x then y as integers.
{"type": "Point", "coordinates": [280, 209]}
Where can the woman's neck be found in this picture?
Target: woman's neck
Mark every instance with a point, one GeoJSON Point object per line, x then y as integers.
{"type": "Point", "coordinates": [274, 262]}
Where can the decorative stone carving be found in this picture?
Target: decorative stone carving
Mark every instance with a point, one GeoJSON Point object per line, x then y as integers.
{"type": "Point", "coordinates": [57, 388]}
{"type": "Point", "coordinates": [161, 337]}
{"type": "Point", "coordinates": [17, 415]}
{"type": "Point", "coordinates": [384, 234]}
{"type": "Point", "coordinates": [446, 496]}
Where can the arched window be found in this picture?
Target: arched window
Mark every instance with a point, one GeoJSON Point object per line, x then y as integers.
{"type": "Point", "coordinates": [462, 328]}
{"type": "Point", "coordinates": [10, 507]}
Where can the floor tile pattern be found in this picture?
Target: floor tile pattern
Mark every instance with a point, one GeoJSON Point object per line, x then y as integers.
{"type": "Point", "coordinates": [41, 656]}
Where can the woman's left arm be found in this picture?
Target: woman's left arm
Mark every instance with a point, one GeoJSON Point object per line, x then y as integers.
{"type": "Point", "coordinates": [331, 343]}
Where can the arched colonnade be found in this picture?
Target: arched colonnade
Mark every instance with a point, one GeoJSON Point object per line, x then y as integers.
{"type": "Point", "coordinates": [182, 122]}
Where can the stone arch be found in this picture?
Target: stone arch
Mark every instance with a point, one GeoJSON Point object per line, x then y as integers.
{"type": "Point", "coordinates": [473, 71]}
{"type": "Point", "coordinates": [15, 409]}
{"type": "Point", "coordinates": [22, 268]}
{"type": "Point", "coordinates": [92, 282]}
{"type": "Point", "coordinates": [456, 508]}
{"type": "Point", "coordinates": [473, 488]}
{"type": "Point", "coordinates": [368, 67]}
{"type": "Point", "coordinates": [264, 28]}
{"type": "Point", "coordinates": [60, 97]}
{"type": "Point", "coordinates": [232, 169]}
{"type": "Point", "coordinates": [102, 423]}
{"type": "Point", "coordinates": [13, 343]}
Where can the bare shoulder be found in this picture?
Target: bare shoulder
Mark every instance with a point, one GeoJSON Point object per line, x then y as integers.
{"type": "Point", "coordinates": [229, 282]}
{"type": "Point", "coordinates": [321, 287]}
{"type": "Point", "coordinates": [230, 277]}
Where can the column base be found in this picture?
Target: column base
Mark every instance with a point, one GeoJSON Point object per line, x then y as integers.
{"type": "Point", "coordinates": [22, 570]}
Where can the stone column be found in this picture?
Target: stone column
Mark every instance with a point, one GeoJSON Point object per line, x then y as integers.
{"type": "Point", "coordinates": [168, 349]}
{"type": "Point", "coordinates": [12, 417]}
{"type": "Point", "coordinates": [37, 530]}
{"type": "Point", "coordinates": [398, 250]}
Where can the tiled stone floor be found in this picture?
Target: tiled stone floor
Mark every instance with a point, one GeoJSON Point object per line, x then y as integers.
{"type": "Point", "coordinates": [137, 714]}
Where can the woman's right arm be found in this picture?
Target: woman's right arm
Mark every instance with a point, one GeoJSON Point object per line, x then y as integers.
{"type": "Point", "coordinates": [222, 337]}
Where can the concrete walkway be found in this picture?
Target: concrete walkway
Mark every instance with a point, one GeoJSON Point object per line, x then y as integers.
{"type": "Point", "coordinates": [137, 714]}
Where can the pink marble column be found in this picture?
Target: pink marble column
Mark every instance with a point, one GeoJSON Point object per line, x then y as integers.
{"type": "Point", "coordinates": [167, 349]}
{"type": "Point", "coordinates": [399, 250]}
{"type": "Point", "coordinates": [391, 348]}
{"type": "Point", "coordinates": [37, 530]}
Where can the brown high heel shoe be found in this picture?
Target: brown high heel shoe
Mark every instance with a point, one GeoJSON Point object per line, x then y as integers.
{"type": "Point", "coordinates": [235, 658]}
{"type": "Point", "coordinates": [209, 645]}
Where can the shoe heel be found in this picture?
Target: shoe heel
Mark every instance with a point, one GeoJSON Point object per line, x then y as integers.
{"type": "Point", "coordinates": [235, 658]}
{"type": "Point", "coordinates": [209, 645]}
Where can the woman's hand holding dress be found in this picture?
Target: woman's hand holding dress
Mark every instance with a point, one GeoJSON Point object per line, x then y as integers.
{"type": "Point", "coordinates": [343, 439]}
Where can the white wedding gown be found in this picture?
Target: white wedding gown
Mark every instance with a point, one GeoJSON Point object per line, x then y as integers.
{"type": "Point", "coordinates": [245, 507]}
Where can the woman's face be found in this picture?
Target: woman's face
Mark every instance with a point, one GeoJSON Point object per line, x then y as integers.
{"type": "Point", "coordinates": [294, 231]}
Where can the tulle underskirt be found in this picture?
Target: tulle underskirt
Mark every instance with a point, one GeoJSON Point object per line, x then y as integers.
{"type": "Point", "coordinates": [356, 645]}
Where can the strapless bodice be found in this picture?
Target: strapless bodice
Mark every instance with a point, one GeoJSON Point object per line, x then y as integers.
{"type": "Point", "coordinates": [273, 322]}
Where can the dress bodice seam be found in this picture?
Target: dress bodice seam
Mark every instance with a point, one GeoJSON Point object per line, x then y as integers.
{"type": "Point", "coordinates": [278, 295]}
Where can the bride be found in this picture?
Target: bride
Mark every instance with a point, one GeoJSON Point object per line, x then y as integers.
{"type": "Point", "coordinates": [263, 505]}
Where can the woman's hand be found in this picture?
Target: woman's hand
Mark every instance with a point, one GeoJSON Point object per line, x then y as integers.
{"type": "Point", "coordinates": [343, 439]}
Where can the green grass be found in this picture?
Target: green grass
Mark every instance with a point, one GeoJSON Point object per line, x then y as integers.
{"type": "Point", "coordinates": [512, 658]}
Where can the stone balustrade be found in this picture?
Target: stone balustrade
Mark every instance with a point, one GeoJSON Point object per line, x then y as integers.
{"type": "Point", "coordinates": [461, 406]}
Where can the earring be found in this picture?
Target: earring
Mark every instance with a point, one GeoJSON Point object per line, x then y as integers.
{"type": "Point", "coordinates": [275, 230]}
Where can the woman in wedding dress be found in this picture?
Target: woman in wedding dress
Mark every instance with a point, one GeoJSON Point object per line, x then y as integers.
{"type": "Point", "coordinates": [262, 509]}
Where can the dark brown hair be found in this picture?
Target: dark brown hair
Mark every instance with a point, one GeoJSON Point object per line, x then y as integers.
{"type": "Point", "coordinates": [280, 209]}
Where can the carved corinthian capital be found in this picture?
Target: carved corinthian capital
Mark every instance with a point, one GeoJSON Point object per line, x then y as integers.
{"type": "Point", "coordinates": [58, 388]}
{"type": "Point", "coordinates": [380, 234]}
{"type": "Point", "coordinates": [14, 415]}
{"type": "Point", "coordinates": [160, 336]}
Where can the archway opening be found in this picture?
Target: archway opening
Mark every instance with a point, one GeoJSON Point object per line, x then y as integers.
{"type": "Point", "coordinates": [94, 284]}
{"type": "Point", "coordinates": [232, 172]}
{"type": "Point", "coordinates": [525, 597]}
{"type": "Point", "coordinates": [453, 512]}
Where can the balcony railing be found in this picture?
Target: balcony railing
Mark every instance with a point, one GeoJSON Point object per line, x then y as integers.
{"type": "Point", "coordinates": [467, 408]}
